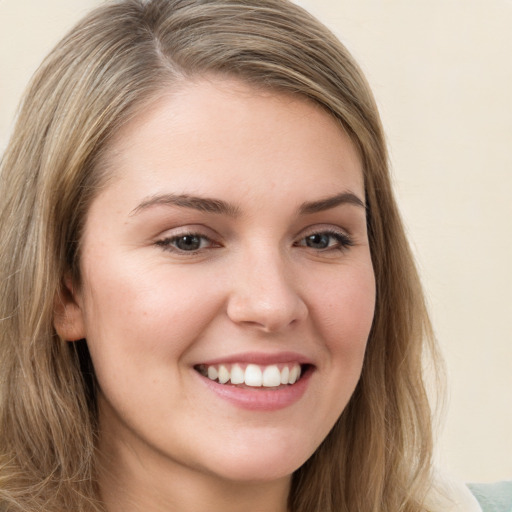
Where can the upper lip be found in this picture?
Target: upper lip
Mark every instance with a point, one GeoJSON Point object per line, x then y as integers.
{"type": "Point", "coordinates": [263, 359]}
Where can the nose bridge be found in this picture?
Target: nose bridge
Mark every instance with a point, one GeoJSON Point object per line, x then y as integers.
{"type": "Point", "coordinates": [265, 291]}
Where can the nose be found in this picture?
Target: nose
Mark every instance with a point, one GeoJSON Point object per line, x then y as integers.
{"type": "Point", "coordinates": [265, 293]}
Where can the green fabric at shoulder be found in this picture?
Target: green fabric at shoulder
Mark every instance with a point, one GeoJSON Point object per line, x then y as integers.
{"type": "Point", "coordinates": [496, 497]}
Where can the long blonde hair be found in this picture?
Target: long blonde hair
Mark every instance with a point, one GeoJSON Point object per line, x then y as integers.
{"type": "Point", "coordinates": [378, 455]}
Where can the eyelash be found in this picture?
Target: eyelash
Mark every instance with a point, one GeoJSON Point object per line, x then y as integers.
{"type": "Point", "coordinates": [167, 243]}
{"type": "Point", "coordinates": [343, 242]}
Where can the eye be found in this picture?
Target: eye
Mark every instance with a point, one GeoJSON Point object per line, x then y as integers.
{"type": "Point", "coordinates": [186, 242]}
{"type": "Point", "coordinates": [325, 240]}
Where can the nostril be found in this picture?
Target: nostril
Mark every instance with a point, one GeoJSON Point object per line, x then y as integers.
{"type": "Point", "coordinates": [263, 312]}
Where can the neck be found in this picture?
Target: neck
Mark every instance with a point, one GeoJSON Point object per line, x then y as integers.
{"type": "Point", "coordinates": [130, 484]}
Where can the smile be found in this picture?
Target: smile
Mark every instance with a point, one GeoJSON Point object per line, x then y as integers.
{"type": "Point", "coordinates": [253, 375]}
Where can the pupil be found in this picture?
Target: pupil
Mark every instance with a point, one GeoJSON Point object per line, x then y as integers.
{"type": "Point", "coordinates": [318, 241]}
{"type": "Point", "coordinates": [188, 243]}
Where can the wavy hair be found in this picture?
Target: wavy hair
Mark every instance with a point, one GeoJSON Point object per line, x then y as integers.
{"type": "Point", "coordinates": [115, 61]}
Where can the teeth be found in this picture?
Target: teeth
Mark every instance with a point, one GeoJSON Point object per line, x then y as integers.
{"type": "Point", "coordinates": [224, 375]}
{"type": "Point", "coordinates": [271, 377]}
{"type": "Point", "coordinates": [254, 375]}
{"type": "Point", "coordinates": [294, 374]}
{"type": "Point", "coordinates": [237, 374]}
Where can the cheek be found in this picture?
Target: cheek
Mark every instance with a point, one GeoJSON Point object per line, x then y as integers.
{"type": "Point", "coordinates": [145, 313]}
{"type": "Point", "coordinates": [345, 312]}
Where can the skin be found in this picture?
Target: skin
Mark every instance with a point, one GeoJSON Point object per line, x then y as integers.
{"type": "Point", "coordinates": [152, 312]}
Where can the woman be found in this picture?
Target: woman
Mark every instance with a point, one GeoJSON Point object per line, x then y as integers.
{"type": "Point", "coordinates": [209, 298]}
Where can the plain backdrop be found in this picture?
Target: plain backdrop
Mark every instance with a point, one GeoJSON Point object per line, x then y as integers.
{"type": "Point", "coordinates": [441, 71]}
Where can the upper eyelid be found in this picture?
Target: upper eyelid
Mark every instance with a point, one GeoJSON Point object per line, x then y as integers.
{"type": "Point", "coordinates": [326, 228]}
{"type": "Point", "coordinates": [195, 229]}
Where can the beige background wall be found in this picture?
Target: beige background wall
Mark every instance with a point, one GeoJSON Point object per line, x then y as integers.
{"type": "Point", "coordinates": [442, 74]}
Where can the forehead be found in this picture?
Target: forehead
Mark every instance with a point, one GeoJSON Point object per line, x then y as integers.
{"type": "Point", "coordinates": [211, 132]}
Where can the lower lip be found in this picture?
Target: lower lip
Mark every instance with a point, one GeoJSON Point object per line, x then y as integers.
{"type": "Point", "coordinates": [260, 399]}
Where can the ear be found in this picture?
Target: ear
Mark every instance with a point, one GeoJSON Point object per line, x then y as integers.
{"type": "Point", "coordinates": [68, 318]}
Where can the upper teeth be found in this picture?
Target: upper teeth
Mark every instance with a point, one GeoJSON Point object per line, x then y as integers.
{"type": "Point", "coordinates": [253, 375]}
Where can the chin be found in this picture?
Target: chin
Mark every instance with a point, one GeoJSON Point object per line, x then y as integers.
{"type": "Point", "coordinates": [251, 472]}
{"type": "Point", "coordinates": [261, 463]}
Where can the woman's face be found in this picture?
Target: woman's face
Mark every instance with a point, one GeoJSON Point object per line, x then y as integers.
{"type": "Point", "coordinates": [230, 243]}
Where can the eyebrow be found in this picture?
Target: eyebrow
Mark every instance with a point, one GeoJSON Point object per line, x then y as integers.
{"type": "Point", "coordinates": [203, 204]}
{"type": "Point", "coordinates": [220, 207]}
{"type": "Point", "coordinates": [331, 202]}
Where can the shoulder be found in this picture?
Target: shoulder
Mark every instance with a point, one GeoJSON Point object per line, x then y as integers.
{"type": "Point", "coordinates": [496, 497]}
{"type": "Point", "coordinates": [449, 495]}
